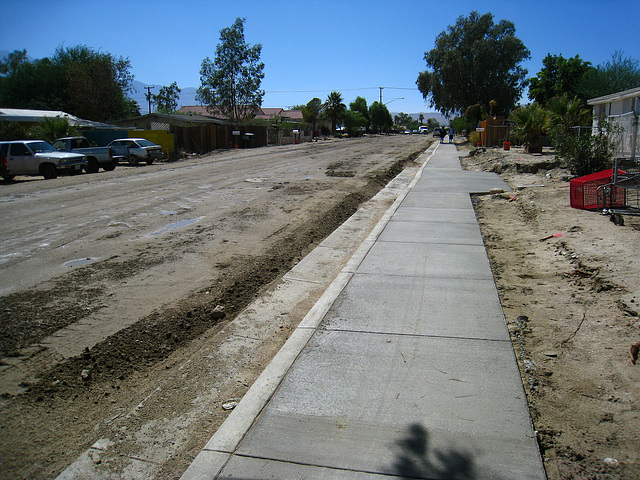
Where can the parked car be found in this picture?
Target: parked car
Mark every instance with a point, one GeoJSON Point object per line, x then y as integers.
{"type": "Point", "coordinates": [140, 149]}
{"type": "Point", "coordinates": [36, 157]}
{"type": "Point", "coordinates": [97, 157]}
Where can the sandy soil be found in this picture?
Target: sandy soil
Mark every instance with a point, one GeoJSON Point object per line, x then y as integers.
{"type": "Point", "coordinates": [568, 281]}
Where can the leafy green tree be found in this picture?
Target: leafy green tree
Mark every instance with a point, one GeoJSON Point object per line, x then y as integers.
{"type": "Point", "coordinates": [11, 63]}
{"type": "Point", "coordinates": [311, 112]}
{"type": "Point", "coordinates": [380, 117]}
{"type": "Point", "coordinates": [231, 83]}
{"type": "Point", "coordinates": [432, 123]}
{"type": "Point", "coordinates": [616, 75]}
{"type": "Point", "coordinates": [77, 80]}
{"type": "Point", "coordinates": [95, 82]}
{"type": "Point", "coordinates": [406, 120]}
{"type": "Point", "coordinates": [166, 100]}
{"type": "Point", "coordinates": [39, 84]}
{"type": "Point", "coordinates": [473, 62]}
{"type": "Point", "coordinates": [558, 76]}
{"type": "Point", "coordinates": [334, 109]}
{"type": "Point", "coordinates": [354, 122]}
{"type": "Point", "coordinates": [360, 105]}
{"type": "Point", "coordinates": [530, 124]}
{"type": "Point", "coordinates": [462, 124]}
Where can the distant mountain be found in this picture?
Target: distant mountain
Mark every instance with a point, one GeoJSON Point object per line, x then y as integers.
{"type": "Point", "coordinates": [139, 90]}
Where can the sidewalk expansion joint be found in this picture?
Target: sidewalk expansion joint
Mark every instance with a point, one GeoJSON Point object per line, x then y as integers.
{"type": "Point", "coordinates": [414, 335]}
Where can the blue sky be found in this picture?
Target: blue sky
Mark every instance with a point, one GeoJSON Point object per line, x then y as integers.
{"type": "Point", "coordinates": [312, 47]}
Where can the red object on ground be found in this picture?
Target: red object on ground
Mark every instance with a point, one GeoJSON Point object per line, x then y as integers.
{"type": "Point", "coordinates": [584, 191]}
{"type": "Point", "coordinates": [507, 145]}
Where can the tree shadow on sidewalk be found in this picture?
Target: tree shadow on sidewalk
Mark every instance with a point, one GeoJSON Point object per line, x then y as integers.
{"type": "Point", "coordinates": [416, 460]}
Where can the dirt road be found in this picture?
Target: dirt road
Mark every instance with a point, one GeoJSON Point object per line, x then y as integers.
{"type": "Point", "coordinates": [112, 285]}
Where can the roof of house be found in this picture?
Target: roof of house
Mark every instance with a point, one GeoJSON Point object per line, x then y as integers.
{"type": "Point", "coordinates": [262, 113]}
{"type": "Point", "coordinates": [634, 92]}
{"type": "Point", "coordinates": [171, 119]}
{"type": "Point", "coordinates": [28, 115]}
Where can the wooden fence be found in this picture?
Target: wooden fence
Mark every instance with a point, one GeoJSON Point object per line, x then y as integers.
{"type": "Point", "coordinates": [206, 138]}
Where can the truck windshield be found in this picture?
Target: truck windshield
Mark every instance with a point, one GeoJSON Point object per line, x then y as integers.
{"type": "Point", "coordinates": [41, 147]}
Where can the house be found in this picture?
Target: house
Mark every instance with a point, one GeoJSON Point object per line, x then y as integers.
{"type": "Point", "coordinates": [623, 109]}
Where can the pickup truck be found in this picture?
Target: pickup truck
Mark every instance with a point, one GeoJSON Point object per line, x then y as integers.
{"type": "Point", "coordinates": [105, 157]}
{"type": "Point", "coordinates": [36, 157]}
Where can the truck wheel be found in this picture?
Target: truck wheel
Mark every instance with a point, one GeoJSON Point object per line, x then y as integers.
{"type": "Point", "coordinates": [8, 178]}
{"type": "Point", "coordinates": [49, 171]}
{"type": "Point", "coordinates": [133, 160]}
{"type": "Point", "coordinates": [92, 165]}
{"type": "Point", "coordinates": [109, 166]}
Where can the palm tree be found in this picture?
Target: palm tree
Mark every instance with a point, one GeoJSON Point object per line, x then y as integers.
{"type": "Point", "coordinates": [51, 128]}
{"type": "Point", "coordinates": [530, 124]}
{"type": "Point", "coordinates": [565, 113]}
{"type": "Point", "coordinates": [334, 108]}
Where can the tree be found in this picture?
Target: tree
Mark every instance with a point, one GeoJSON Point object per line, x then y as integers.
{"type": "Point", "coordinates": [77, 80]}
{"type": "Point", "coordinates": [558, 76]}
{"type": "Point", "coordinates": [462, 124]}
{"type": "Point", "coordinates": [564, 114]}
{"type": "Point", "coordinates": [360, 105]}
{"type": "Point", "coordinates": [354, 122]}
{"type": "Point", "coordinates": [231, 83]}
{"type": "Point", "coordinates": [54, 127]}
{"type": "Point", "coordinates": [11, 63]}
{"type": "Point", "coordinates": [406, 120]}
{"type": "Point", "coordinates": [95, 82]}
{"type": "Point", "coordinates": [380, 117]}
{"type": "Point", "coordinates": [473, 62]}
{"type": "Point", "coordinates": [167, 98]}
{"type": "Point", "coordinates": [615, 75]}
{"type": "Point", "coordinates": [334, 108]}
{"type": "Point", "coordinates": [432, 123]}
{"type": "Point", "coordinates": [311, 112]}
{"type": "Point", "coordinates": [530, 124]}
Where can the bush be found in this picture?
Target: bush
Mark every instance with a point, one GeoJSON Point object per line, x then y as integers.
{"type": "Point", "coordinates": [590, 153]}
{"type": "Point", "coordinates": [474, 138]}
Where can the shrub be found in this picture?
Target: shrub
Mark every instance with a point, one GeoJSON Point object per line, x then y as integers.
{"type": "Point", "coordinates": [590, 153]}
{"type": "Point", "coordinates": [474, 138]}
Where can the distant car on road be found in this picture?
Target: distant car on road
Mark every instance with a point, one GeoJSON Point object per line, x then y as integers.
{"type": "Point", "coordinates": [140, 150]}
{"type": "Point", "coordinates": [37, 157]}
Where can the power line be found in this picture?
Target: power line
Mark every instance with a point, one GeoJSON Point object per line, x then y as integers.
{"type": "Point", "coordinates": [338, 90]}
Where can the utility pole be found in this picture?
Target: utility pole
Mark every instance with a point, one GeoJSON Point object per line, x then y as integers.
{"type": "Point", "coordinates": [149, 96]}
{"type": "Point", "coordinates": [380, 94]}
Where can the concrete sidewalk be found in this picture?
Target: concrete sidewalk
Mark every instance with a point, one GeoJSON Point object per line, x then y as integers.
{"type": "Point", "coordinates": [403, 369]}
